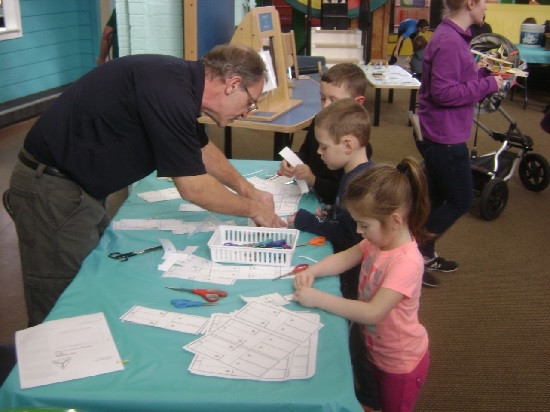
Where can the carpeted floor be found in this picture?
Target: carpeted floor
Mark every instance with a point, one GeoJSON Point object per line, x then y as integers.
{"type": "Point", "coordinates": [489, 322]}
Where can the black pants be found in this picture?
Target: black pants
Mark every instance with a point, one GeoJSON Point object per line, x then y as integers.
{"type": "Point", "coordinates": [393, 59]}
{"type": "Point", "coordinates": [58, 224]}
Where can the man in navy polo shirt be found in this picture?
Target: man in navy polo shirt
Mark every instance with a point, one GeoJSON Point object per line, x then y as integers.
{"type": "Point", "coordinates": [112, 127]}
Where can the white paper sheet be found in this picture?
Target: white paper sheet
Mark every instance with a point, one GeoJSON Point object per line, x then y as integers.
{"type": "Point", "coordinates": [271, 79]}
{"type": "Point", "coordinates": [294, 161]}
{"type": "Point", "coordinates": [160, 195]}
{"type": "Point", "coordinates": [179, 322]}
{"type": "Point", "coordinates": [66, 349]}
{"type": "Point", "coordinates": [204, 270]}
{"type": "Point", "coordinates": [286, 197]}
{"type": "Point", "coordinates": [257, 339]}
{"type": "Point", "coordinates": [301, 364]}
{"type": "Point", "coordinates": [176, 226]}
{"type": "Point", "coordinates": [190, 207]}
{"type": "Point", "coordinates": [271, 298]}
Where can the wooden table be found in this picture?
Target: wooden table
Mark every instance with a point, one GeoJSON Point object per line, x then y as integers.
{"type": "Point", "coordinates": [390, 77]}
{"type": "Point", "coordinates": [284, 126]}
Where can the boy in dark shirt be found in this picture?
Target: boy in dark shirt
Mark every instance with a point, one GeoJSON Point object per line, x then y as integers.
{"type": "Point", "coordinates": [342, 131]}
{"type": "Point", "coordinates": [344, 80]}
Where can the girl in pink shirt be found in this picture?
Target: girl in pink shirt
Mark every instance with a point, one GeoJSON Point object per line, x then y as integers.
{"type": "Point", "coordinates": [390, 206]}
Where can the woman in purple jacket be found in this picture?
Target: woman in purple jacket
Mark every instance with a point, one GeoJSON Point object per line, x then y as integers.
{"type": "Point", "coordinates": [451, 86]}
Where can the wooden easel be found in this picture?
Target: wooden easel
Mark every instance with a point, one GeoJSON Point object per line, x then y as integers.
{"type": "Point", "coordinates": [260, 29]}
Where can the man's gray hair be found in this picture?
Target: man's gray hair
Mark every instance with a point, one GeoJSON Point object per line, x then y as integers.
{"type": "Point", "coordinates": [230, 60]}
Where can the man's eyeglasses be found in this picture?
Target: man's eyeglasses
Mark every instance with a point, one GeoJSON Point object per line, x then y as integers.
{"type": "Point", "coordinates": [252, 106]}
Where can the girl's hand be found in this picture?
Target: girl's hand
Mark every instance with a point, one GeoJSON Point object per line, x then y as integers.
{"type": "Point", "coordinates": [304, 278]}
{"type": "Point", "coordinates": [290, 220]}
{"type": "Point", "coordinates": [308, 297]}
{"type": "Point", "coordinates": [483, 62]}
{"type": "Point", "coordinates": [286, 169]}
{"type": "Point", "coordinates": [303, 172]}
{"type": "Point", "coordinates": [500, 81]}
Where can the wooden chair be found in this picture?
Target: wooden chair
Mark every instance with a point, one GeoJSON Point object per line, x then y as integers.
{"type": "Point", "coordinates": [291, 58]}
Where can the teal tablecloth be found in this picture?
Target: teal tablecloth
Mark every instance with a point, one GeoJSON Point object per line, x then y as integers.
{"type": "Point", "coordinates": [534, 55]}
{"type": "Point", "coordinates": [156, 377]}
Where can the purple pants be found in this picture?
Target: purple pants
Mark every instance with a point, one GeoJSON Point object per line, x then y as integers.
{"type": "Point", "coordinates": [399, 391]}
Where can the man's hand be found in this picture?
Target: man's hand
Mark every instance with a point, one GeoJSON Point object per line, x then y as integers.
{"type": "Point", "coordinates": [262, 197]}
{"type": "Point", "coordinates": [265, 216]}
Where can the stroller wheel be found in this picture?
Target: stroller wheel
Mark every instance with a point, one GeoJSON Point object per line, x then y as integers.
{"type": "Point", "coordinates": [494, 197]}
{"type": "Point", "coordinates": [534, 172]}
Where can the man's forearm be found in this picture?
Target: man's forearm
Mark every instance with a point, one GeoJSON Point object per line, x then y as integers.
{"type": "Point", "coordinates": [206, 192]}
{"type": "Point", "coordinates": [219, 167]}
{"type": "Point", "coordinates": [398, 44]}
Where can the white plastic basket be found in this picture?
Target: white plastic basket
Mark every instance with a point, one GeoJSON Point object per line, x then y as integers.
{"type": "Point", "coordinates": [252, 255]}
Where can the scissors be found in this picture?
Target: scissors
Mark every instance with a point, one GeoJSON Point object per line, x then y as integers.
{"type": "Point", "coordinates": [316, 241]}
{"type": "Point", "coordinates": [184, 303]}
{"type": "Point", "coordinates": [300, 268]}
{"type": "Point", "coordinates": [210, 295]}
{"type": "Point", "coordinates": [123, 257]}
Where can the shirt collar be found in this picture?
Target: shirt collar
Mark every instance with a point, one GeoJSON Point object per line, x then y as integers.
{"type": "Point", "coordinates": [465, 34]}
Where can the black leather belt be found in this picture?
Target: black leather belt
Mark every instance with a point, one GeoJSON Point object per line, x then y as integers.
{"type": "Point", "coordinates": [34, 165]}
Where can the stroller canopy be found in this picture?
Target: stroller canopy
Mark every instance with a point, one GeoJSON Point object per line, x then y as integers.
{"type": "Point", "coordinates": [491, 42]}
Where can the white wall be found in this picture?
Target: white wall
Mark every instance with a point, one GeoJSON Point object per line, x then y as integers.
{"type": "Point", "coordinates": [156, 26]}
{"type": "Point", "coordinates": [150, 26]}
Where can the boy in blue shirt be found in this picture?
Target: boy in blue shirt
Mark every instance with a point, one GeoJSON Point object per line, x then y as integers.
{"type": "Point", "coordinates": [408, 28]}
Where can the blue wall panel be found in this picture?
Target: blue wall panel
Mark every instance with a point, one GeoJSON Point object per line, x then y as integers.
{"type": "Point", "coordinates": [60, 43]}
{"type": "Point", "coordinates": [218, 14]}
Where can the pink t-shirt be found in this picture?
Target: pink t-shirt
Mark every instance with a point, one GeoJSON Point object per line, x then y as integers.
{"type": "Point", "coordinates": [399, 341]}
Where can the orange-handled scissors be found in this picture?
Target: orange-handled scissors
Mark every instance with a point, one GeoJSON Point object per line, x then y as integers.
{"type": "Point", "coordinates": [301, 267]}
{"type": "Point", "coordinates": [316, 241]}
{"type": "Point", "coordinates": [210, 295]}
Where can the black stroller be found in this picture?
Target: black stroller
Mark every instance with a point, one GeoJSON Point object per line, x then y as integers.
{"type": "Point", "coordinates": [491, 171]}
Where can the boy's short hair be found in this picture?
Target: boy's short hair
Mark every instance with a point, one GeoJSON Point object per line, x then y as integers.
{"type": "Point", "coordinates": [422, 23]}
{"type": "Point", "coordinates": [345, 117]}
{"type": "Point", "coordinates": [348, 76]}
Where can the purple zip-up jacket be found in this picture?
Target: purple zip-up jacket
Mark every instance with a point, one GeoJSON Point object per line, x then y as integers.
{"type": "Point", "coordinates": [451, 85]}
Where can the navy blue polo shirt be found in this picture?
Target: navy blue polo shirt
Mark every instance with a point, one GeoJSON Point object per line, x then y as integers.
{"type": "Point", "coordinates": [123, 120]}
